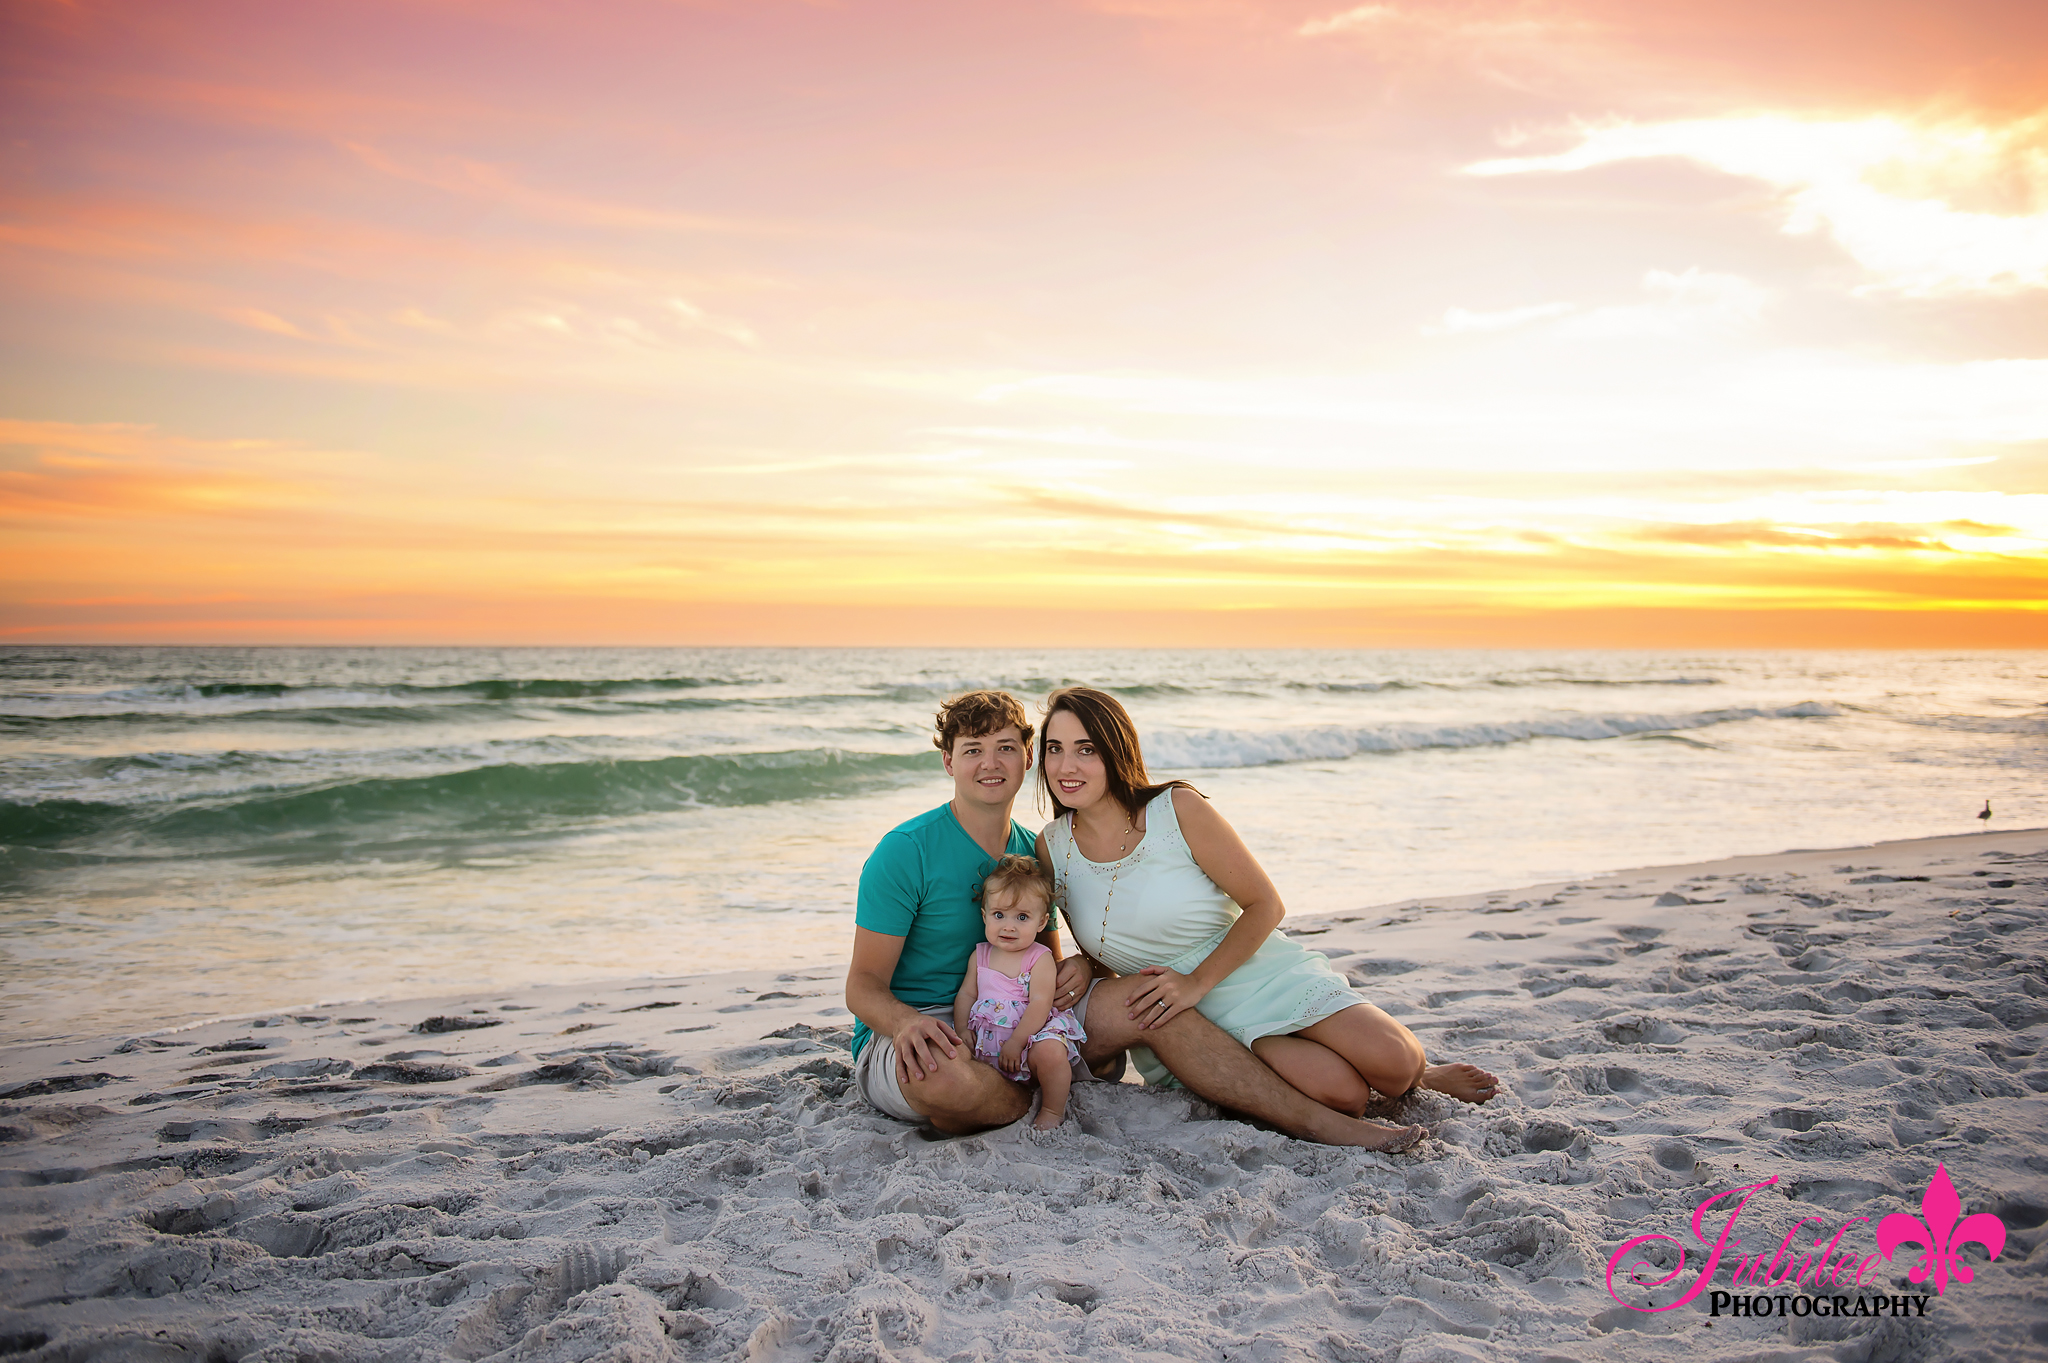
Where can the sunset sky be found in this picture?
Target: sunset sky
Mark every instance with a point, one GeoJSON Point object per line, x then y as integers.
{"type": "Point", "coordinates": [1596, 322]}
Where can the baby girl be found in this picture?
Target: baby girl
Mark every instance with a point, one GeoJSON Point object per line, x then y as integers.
{"type": "Point", "coordinates": [1006, 999]}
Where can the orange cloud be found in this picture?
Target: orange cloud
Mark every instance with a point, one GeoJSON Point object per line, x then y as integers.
{"type": "Point", "coordinates": [440, 619]}
{"type": "Point", "coordinates": [1755, 534]}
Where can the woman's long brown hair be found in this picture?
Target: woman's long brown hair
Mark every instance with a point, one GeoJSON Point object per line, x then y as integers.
{"type": "Point", "coordinates": [1109, 728]}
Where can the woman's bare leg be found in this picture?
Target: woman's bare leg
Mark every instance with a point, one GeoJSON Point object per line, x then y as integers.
{"type": "Point", "coordinates": [1211, 1063]}
{"type": "Point", "coordinates": [1055, 1076]}
{"type": "Point", "coordinates": [1317, 1071]}
{"type": "Point", "coordinates": [1388, 1057]}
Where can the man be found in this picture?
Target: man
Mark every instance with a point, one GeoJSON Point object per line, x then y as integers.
{"type": "Point", "coordinates": [917, 918]}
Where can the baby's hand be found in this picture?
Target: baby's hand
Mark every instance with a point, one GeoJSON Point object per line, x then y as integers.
{"type": "Point", "coordinates": [1012, 1057]}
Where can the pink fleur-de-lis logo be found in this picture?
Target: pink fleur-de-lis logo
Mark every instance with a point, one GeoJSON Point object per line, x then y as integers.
{"type": "Point", "coordinates": [1939, 1234]}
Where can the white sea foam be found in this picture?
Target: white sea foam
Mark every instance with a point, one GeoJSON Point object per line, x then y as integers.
{"type": "Point", "coordinates": [1215, 748]}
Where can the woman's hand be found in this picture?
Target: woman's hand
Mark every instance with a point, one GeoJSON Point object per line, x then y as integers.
{"type": "Point", "coordinates": [1075, 974]}
{"type": "Point", "coordinates": [1164, 997]}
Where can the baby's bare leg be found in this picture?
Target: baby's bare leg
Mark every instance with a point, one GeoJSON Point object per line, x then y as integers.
{"type": "Point", "coordinates": [1055, 1077]}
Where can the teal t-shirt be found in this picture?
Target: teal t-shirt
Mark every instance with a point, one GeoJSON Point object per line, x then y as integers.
{"type": "Point", "coordinates": [923, 883]}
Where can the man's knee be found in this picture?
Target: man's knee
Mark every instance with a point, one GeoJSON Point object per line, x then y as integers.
{"type": "Point", "coordinates": [1100, 1046]}
{"type": "Point", "coordinates": [946, 1086]}
{"type": "Point", "coordinates": [1102, 1050]}
{"type": "Point", "coordinates": [957, 1096]}
{"type": "Point", "coordinates": [1109, 1025]}
{"type": "Point", "coordinates": [1111, 1068]}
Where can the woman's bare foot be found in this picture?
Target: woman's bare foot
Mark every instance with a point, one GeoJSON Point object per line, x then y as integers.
{"type": "Point", "coordinates": [1379, 1136]}
{"type": "Point", "coordinates": [1467, 1083]}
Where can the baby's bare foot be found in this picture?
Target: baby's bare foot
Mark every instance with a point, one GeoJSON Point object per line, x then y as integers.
{"type": "Point", "coordinates": [1046, 1121]}
{"type": "Point", "coordinates": [1468, 1083]}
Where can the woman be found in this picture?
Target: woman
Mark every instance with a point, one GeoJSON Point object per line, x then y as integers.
{"type": "Point", "coordinates": [1153, 881]}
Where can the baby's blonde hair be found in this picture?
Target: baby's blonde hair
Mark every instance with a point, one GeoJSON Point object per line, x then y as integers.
{"type": "Point", "coordinates": [1016, 875]}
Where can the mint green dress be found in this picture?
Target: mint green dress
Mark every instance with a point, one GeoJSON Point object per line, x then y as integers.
{"type": "Point", "coordinates": [1164, 910]}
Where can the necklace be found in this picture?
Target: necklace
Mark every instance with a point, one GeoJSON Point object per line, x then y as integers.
{"type": "Point", "coordinates": [1067, 866]}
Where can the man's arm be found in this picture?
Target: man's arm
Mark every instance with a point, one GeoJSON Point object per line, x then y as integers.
{"type": "Point", "coordinates": [919, 1037]}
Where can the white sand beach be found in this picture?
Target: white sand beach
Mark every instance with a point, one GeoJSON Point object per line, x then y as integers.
{"type": "Point", "coordinates": [676, 1168]}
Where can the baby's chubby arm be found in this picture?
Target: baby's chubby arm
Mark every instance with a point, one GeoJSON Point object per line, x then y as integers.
{"type": "Point", "coordinates": [1044, 971]}
{"type": "Point", "coordinates": [970, 989]}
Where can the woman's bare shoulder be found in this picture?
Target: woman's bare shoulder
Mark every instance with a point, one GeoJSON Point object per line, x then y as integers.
{"type": "Point", "coordinates": [1202, 825]}
{"type": "Point", "coordinates": [1191, 808]}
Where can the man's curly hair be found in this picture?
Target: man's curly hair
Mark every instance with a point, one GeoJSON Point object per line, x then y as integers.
{"type": "Point", "coordinates": [977, 713]}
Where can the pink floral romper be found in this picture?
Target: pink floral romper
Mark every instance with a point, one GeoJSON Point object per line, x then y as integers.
{"type": "Point", "coordinates": [999, 1007]}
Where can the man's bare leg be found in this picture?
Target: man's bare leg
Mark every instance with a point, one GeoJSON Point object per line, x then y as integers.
{"type": "Point", "coordinates": [965, 1096]}
{"type": "Point", "coordinates": [1210, 1063]}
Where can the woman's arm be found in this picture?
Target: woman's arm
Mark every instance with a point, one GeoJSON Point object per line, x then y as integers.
{"type": "Point", "coordinates": [1074, 971]}
{"type": "Point", "coordinates": [1225, 859]}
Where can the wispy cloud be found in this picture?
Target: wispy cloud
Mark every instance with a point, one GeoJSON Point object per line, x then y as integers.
{"type": "Point", "coordinates": [1462, 321]}
{"type": "Point", "coordinates": [1361, 17]}
{"type": "Point", "coordinates": [1687, 303]}
{"type": "Point", "coordinates": [479, 179]}
{"type": "Point", "coordinates": [1755, 534]}
{"type": "Point", "coordinates": [60, 471]}
{"type": "Point", "coordinates": [1692, 303]}
{"type": "Point", "coordinates": [1545, 405]}
{"type": "Point", "coordinates": [1882, 188]}
{"type": "Point", "coordinates": [1444, 23]}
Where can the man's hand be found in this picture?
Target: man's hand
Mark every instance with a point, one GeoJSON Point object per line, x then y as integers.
{"type": "Point", "coordinates": [1072, 981]}
{"type": "Point", "coordinates": [1164, 997]}
{"type": "Point", "coordinates": [918, 1046]}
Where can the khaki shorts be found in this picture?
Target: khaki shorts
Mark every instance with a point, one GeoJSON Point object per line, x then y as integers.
{"type": "Point", "coordinates": [874, 1072]}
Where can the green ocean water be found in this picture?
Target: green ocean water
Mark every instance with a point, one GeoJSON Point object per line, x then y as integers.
{"type": "Point", "coordinates": [191, 832]}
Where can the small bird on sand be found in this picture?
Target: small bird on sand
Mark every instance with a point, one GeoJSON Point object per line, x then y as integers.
{"type": "Point", "coordinates": [1985, 814]}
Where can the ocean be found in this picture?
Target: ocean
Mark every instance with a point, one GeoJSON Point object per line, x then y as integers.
{"type": "Point", "coordinates": [192, 832]}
